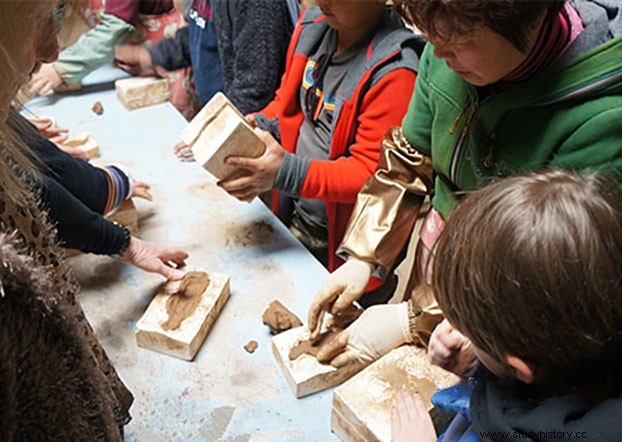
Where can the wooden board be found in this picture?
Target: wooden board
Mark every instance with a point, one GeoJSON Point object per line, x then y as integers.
{"type": "Point", "coordinates": [362, 406]}
{"type": "Point", "coordinates": [126, 214]}
{"type": "Point", "coordinates": [305, 375]}
{"type": "Point", "coordinates": [137, 92]}
{"type": "Point", "coordinates": [184, 341]}
{"type": "Point", "coordinates": [219, 130]}
{"type": "Point", "coordinates": [84, 142]}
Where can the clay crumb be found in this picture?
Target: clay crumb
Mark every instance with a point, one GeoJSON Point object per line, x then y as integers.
{"type": "Point", "coordinates": [98, 108]}
{"type": "Point", "coordinates": [251, 346]}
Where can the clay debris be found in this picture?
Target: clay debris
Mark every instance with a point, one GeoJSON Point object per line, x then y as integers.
{"type": "Point", "coordinates": [278, 318]}
{"type": "Point", "coordinates": [98, 108]}
{"type": "Point", "coordinates": [251, 346]}
{"type": "Point", "coordinates": [305, 346]}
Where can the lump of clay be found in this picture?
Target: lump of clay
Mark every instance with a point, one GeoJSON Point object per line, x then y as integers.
{"type": "Point", "coordinates": [184, 302]}
{"type": "Point", "coordinates": [98, 108]}
{"type": "Point", "coordinates": [278, 318]}
{"type": "Point", "coordinates": [251, 346]}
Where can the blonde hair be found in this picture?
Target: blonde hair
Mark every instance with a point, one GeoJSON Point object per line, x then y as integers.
{"type": "Point", "coordinates": [18, 20]}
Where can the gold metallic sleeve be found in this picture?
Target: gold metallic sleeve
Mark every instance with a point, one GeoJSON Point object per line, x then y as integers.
{"type": "Point", "coordinates": [388, 203]}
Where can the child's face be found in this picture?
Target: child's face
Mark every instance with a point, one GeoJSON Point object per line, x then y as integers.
{"type": "Point", "coordinates": [349, 15]}
{"type": "Point", "coordinates": [481, 58]}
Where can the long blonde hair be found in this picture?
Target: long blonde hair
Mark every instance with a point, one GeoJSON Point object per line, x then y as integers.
{"type": "Point", "coordinates": [19, 20]}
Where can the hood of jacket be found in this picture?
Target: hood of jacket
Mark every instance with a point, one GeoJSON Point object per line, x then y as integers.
{"type": "Point", "coordinates": [503, 410]}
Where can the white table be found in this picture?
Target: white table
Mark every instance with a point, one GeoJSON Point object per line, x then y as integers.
{"type": "Point", "coordinates": [225, 393]}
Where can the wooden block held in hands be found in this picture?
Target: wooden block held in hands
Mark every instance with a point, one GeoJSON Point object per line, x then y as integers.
{"type": "Point", "coordinates": [362, 406]}
{"type": "Point", "coordinates": [181, 315]}
{"type": "Point", "coordinates": [137, 92]}
{"type": "Point", "coordinates": [304, 374]}
{"type": "Point", "coordinates": [219, 130]}
{"type": "Point", "coordinates": [85, 142]}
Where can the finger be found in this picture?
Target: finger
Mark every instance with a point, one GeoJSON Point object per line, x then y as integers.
{"type": "Point", "coordinates": [316, 329]}
{"type": "Point", "coordinates": [246, 163]}
{"type": "Point", "coordinates": [47, 87]}
{"type": "Point", "coordinates": [416, 405]}
{"type": "Point", "coordinates": [316, 314]}
{"type": "Point", "coordinates": [144, 194]}
{"type": "Point", "coordinates": [59, 139]}
{"type": "Point", "coordinates": [237, 185]}
{"type": "Point", "coordinates": [169, 272]}
{"type": "Point", "coordinates": [188, 158]}
{"type": "Point", "coordinates": [174, 255]}
{"type": "Point", "coordinates": [344, 359]}
{"type": "Point", "coordinates": [345, 300]}
{"type": "Point", "coordinates": [333, 347]}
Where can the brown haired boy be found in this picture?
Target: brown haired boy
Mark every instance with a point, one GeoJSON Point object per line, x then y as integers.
{"type": "Point", "coordinates": [528, 269]}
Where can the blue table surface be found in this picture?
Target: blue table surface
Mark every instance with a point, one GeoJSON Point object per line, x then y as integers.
{"type": "Point", "coordinates": [225, 393]}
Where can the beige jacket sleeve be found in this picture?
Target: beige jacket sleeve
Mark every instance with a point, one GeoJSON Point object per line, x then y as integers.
{"type": "Point", "coordinates": [388, 204]}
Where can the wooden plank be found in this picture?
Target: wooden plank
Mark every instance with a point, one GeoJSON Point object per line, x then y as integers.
{"type": "Point", "coordinates": [126, 214]}
{"type": "Point", "coordinates": [84, 142]}
{"type": "Point", "coordinates": [137, 92]}
{"type": "Point", "coordinates": [219, 130]}
{"type": "Point", "coordinates": [183, 339]}
{"type": "Point", "coordinates": [305, 375]}
{"type": "Point", "coordinates": [362, 406]}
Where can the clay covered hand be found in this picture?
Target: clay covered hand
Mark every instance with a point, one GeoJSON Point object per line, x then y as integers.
{"type": "Point", "coordinates": [260, 172]}
{"type": "Point", "coordinates": [342, 287]}
{"type": "Point", "coordinates": [134, 59]}
{"type": "Point", "coordinates": [155, 259]}
{"type": "Point", "coordinates": [380, 329]}
{"type": "Point", "coordinates": [451, 350]}
{"type": "Point", "coordinates": [410, 416]}
{"type": "Point", "coordinates": [46, 79]}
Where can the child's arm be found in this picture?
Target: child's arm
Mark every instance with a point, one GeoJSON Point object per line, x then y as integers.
{"type": "Point", "coordinates": [92, 50]}
{"type": "Point", "coordinates": [410, 420]}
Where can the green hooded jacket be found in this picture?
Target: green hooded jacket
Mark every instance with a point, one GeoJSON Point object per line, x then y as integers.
{"type": "Point", "coordinates": [568, 116]}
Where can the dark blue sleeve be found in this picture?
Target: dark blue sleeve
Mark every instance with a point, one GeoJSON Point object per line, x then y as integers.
{"type": "Point", "coordinates": [172, 53]}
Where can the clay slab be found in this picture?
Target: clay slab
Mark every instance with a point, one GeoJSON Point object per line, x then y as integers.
{"type": "Point", "coordinates": [185, 341]}
{"type": "Point", "coordinates": [362, 406]}
{"type": "Point", "coordinates": [305, 375]}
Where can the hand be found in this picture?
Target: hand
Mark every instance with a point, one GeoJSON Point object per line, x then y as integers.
{"type": "Point", "coordinates": [451, 350]}
{"type": "Point", "coordinates": [183, 152]}
{"type": "Point", "coordinates": [342, 287]}
{"type": "Point", "coordinates": [262, 171]}
{"type": "Point", "coordinates": [46, 79]}
{"type": "Point", "coordinates": [156, 259]}
{"type": "Point", "coordinates": [380, 329]}
{"type": "Point", "coordinates": [409, 416]}
{"type": "Point", "coordinates": [250, 119]}
{"type": "Point", "coordinates": [134, 59]}
{"type": "Point", "coordinates": [140, 189]}
{"type": "Point", "coordinates": [47, 129]}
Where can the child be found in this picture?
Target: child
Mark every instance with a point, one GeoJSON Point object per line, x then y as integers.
{"type": "Point", "coordinates": [350, 67]}
{"type": "Point", "coordinates": [528, 269]}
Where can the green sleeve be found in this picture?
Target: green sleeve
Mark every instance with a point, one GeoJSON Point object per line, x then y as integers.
{"type": "Point", "coordinates": [93, 49]}
{"type": "Point", "coordinates": [417, 124]}
{"type": "Point", "coordinates": [595, 146]}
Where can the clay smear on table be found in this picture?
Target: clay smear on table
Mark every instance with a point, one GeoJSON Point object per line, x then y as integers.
{"type": "Point", "coordinates": [184, 302]}
{"type": "Point", "coordinates": [305, 346]}
{"type": "Point", "coordinates": [279, 319]}
{"type": "Point", "coordinates": [244, 235]}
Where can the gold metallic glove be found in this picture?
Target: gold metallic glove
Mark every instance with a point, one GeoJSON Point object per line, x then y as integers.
{"type": "Point", "coordinates": [388, 204]}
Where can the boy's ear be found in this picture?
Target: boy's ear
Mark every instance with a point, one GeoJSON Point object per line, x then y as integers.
{"type": "Point", "coordinates": [523, 371]}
